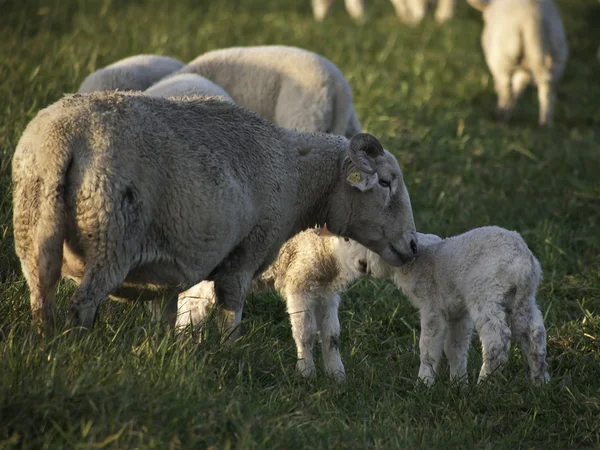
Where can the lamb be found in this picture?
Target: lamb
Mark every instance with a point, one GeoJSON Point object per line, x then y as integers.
{"type": "Point", "coordinates": [292, 87]}
{"type": "Point", "coordinates": [409, 11]}
{"type": "Point", "coordinates": [186, 84]}
{"type": "Point", "coordinates": [309, 273]}
{"type": "Point", "coordinates": [135, 73]}
{"type": "Point", "coordinates": [478, 277]}
{"type": "Point", "coordinates": [521, 40]}
{"type": "Point", "coordinates": [135, 196]}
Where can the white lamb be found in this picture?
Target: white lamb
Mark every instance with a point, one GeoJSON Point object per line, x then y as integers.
{"type": "Point", "coordinates": [523, 39]}
{"type": "Point", "coordinates": [309, 273]}
{"type": "Point", "coordinates": [477, 277]}
{"type": "Point", "coordinates": [186, 84]}
{"type": "Point", "coordinates": [135, 73]}
{"type": "Point", "coordinates": [289, 86]}
{"type": "Point", "coordinates": [409, 11]}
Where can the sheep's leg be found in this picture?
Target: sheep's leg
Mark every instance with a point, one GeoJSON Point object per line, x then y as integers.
{"type": "Point", "coordinates": [489, 318]}
{"type": "Point", "coordinates": [230, 290]}
{"type": "Point", "coordinates": [431, 344]}
{"type": "Point", "coordinates": [546, 99]}
{"type": "Point", "coordinates": [304, 330]}
{"type": "Point", "coordinates": [321, 8]}
{"type": "Point", "coordinates": [520, 80]}
{"type": "Point", "coordinates": [164, 309]}
{"type": "Point", "coordinates": [456, 346]}
{"type": "Point", "coordinates": [328, 324]}
{"type": "Point", "coordinates": [445, 10]}
{"type": "Point", "coordinates": [410, 11]}
{"type": "Point", "coordinates": [530, 333]}
{"type": "Point", "coordinates": [502, 85]}
{"type": "Point", "coordinates": [195, 304]}
{"type": "Point", "coordinates": [356, 9]}
{"type": "Point", "coordinates": [42, 281]}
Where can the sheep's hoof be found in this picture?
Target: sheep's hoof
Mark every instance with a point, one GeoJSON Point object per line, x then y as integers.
{"type": "Point", "coordinates": [541, 379]}
{"type": "Point", "coordinates": [306, 370]}
{"type": "Point", "coordinates": [443, 17]}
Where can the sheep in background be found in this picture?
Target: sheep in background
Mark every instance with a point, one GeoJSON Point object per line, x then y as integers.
{"type": "Point", "coordinates": [133, 196]}
{"type": "Point", "coordinates": [135, 73]}
{"type": "Point", "coordinates": [309, 273]}
{"type": "Point", "coordinates": [186, 84]}
{"type": "Point", "coordinates": [408, 11]}
{"type": "Point", "coordinates": [521, 40]}
{"type": "Point", "coordinates": [289, 86]}
{"type": "Point", "coordinates": [474, 278]}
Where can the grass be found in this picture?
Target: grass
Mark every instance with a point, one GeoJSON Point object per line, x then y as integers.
{"type": "Point", "coordinates": [427, 94]}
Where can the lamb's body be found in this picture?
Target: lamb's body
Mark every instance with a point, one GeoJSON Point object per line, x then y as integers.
{"type": "Point", "coordinates": [309, 273]}
{"type": "Point", "coordinates": [409, 11]}
{"type": "Point", "coordinates": [186, 84]}
{"type": "Point", "coordinates": [147, 194]}
{"type": "Point", "coordinates": [521, 40]}
{"type": "Point", "coordinates": [474, 278]}
{"type": "Point", "coordinates": [291, 87]}
{"type": "Point", "coordinates": [135, 73]}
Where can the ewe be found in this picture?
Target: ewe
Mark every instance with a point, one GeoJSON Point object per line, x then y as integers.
{"type": "Point", "coordinates": [477, 277]}
{"type": "Point", "coordinates": [132, 195]}
{"type": "Point", "coordinates": [521, 39]}
{"type": "Point", "coordinates": [289, 86]}
{"type": "Point", "coordinates": [135, 73]}
{"type": "Point", "coordinates": [309, 273]}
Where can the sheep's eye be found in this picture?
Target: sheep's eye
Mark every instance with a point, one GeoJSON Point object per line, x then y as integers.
{"type": "Point", "coordinates": [384, 183]}
{"type": "Point", "coordinates": [346, 239]}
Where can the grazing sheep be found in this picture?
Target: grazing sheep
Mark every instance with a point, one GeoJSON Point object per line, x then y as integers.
{"type": "Point", "coordinates": [186, 84]}
{"type": "Point", "coordinates": [289, 86]}
{"type": "Point", "coordinates": [477, 277]}
{"type": "Point", "coordinates": [409, 11]}
{"type": "Point", "coordinates": [135, 73]}
{"type": "Point", "coordinates": [135, 196]}
{"type": "Point", "coordinates": [521, 40]}
{"type": "Point", "coordinates": [309, 273]}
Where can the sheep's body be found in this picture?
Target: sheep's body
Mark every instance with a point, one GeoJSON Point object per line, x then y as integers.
{"type": "Point", "coordinates": [186, 84]}
{"type": "Point", "coordinates": [473, 278]}
{"type": "Point", "coordinates": [309, 274]}
{"type": "Point", "coordinates": [521, 40]}
{"type": "Point", "coordinates": [291, 87]}
{"type": "Point", "coordinates": [129, 194]}
{"type": "Point", "coordinates": [135, 73]}
{"type": "Point", "coordinates": [409, 11]}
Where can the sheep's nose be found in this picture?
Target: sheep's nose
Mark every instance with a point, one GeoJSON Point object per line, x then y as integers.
{"type": "Point", "coordinates": [414, 247]}
{"type": "Point", "coordinates": [363, 265]}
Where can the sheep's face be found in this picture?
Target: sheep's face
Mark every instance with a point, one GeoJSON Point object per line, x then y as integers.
{"type": "Point", "coordinates": [351, 255]}
{"type": "Point", "coordinates": [372, 205]}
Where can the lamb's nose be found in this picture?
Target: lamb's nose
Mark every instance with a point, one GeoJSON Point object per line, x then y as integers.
{"type": "Point", "coordinates": [414, 247]}
{"type": "Point", "coordinates": [363, 265]}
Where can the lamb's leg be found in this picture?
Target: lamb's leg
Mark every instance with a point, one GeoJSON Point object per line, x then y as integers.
{"type": "Point", "coordinates": [164, 309]}
{"type": "Point", "coordinates": [304, 330]}
{"type": "Point", "coordinates": [410, 11]}
{"type": "Point", "coordinates": [42, 283]}
{"type": "Point", "coordinates": [489, 318]}
{"type": "Point", "coordinates": [328, 324]}
{"type": "Point", "coordinates": [530, 333]}
{"type": "Point", "coordinates": [431, 344]}
{"type": "Point", "coordinates": [520, 80]}
{"type": "Point", "coordinates": [456, 346]}
{"type": "Point", "coordinates": [502, 85]}
{"type": "Point", "coordinates": [356, 9]}
{"type": "Point", "coordinates": [445, 10]}
{"type": "Point", "coordinates": [321, 8]}
{"type": "Point", "coordinates": [546, 99]}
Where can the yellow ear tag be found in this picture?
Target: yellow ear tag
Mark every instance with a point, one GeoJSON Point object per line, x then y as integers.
{"type": "Point", "coordinates": [353, 178]}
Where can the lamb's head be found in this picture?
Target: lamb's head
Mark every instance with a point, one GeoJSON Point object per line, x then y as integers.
{"type": "Point", "coordinates": [371, 204]}
{"type": "Point", "coordinates": [350, 255]}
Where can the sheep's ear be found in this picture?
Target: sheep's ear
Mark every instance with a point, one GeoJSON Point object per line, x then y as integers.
{"type": "Point", "coordinates": [363, 150]}
{"type": "Point", "coordinates": [361, 180]}
{"type": "Point", "coordinates": [479, 5]}
{"type": "Point", "coordinates": [324, 231]}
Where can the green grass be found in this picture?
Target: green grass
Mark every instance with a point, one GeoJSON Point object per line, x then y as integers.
{"type": "Point", "coordinates": [427, 94]}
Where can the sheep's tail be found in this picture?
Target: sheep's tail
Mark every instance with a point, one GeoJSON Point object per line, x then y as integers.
{"type": "Point", "coordinates": [533, 43]}
{"type": "Point", "coordinates": [40, 168]}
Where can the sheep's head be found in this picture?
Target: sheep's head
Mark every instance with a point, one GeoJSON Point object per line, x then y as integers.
{"type": "Point", "coordinates": [371, 204]}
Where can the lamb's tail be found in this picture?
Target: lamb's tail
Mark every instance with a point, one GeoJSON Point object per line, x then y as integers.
{"type": "Point", "coordinates": [40, 167]}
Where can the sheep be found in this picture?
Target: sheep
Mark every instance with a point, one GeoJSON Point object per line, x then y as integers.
{"type": "Point", "coordinates": [135, 196]}
{"type": "Point", "coordinates": [309, 273]}
{"type": "Point", "coordinates": [292, 87]}
{"type": "Point", "coordinates": [186, 84]}
{"type": "Point", "coordinates": [521, 40]}
{"type": "Point", "coordinates": [135, 73]}
{"type": "Point", "coordinates": [479, 278]}
{"type": "Point", "coordinates": [409, 11]}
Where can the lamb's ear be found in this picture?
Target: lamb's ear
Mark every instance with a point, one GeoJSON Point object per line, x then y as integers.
{"type": "Point", "coordinates": [363, 150]}
{"type": "Point", "coordinates": [479, 5]}
{"type": "Point", "coordinates": [324, 231]}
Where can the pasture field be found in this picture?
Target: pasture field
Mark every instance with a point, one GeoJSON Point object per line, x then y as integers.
{"type": "Point", "coordinates": [426, 93]}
